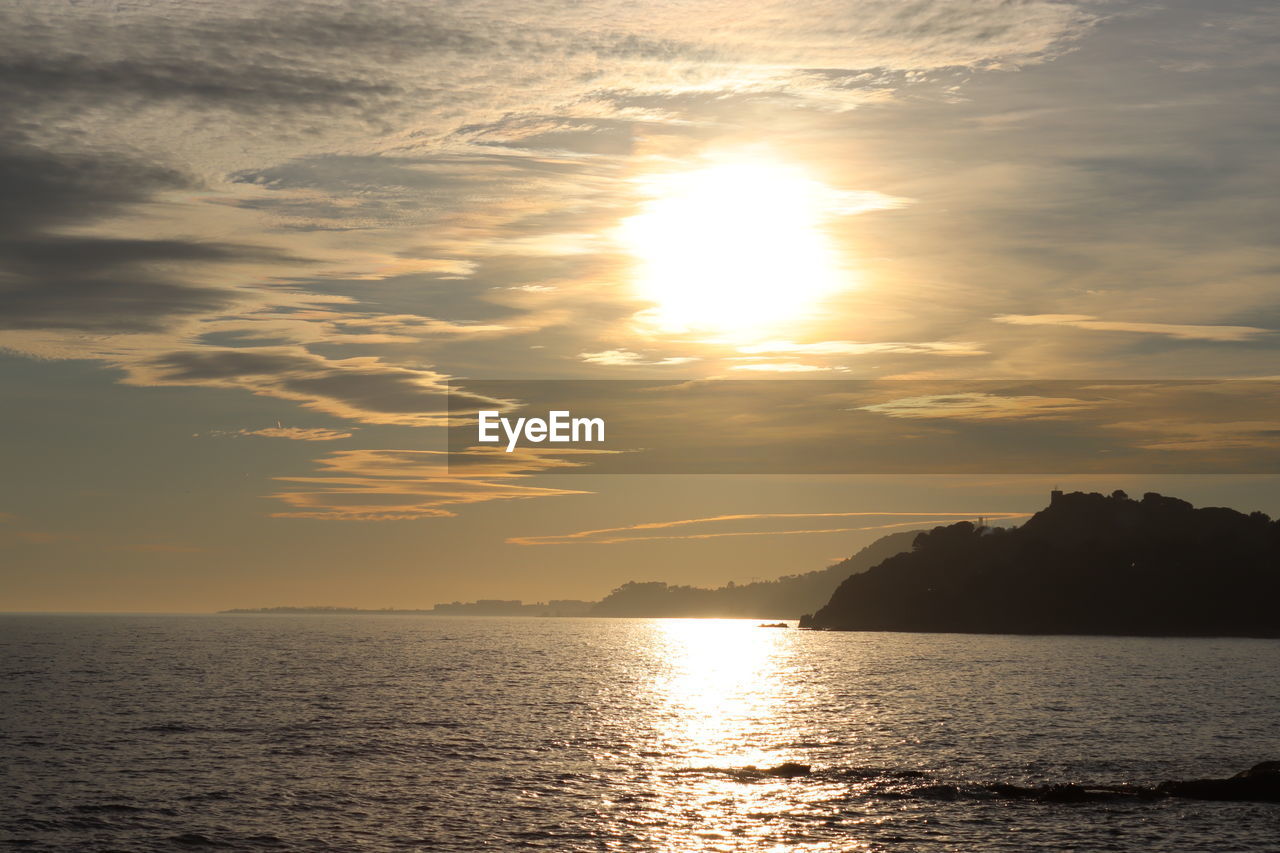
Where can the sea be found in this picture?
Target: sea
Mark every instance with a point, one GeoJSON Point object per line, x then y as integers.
{"type": "Point", "coordinates": [372, 733]}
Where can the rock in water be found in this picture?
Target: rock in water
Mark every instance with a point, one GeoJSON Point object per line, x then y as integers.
{"type": "Point", "coordinates": [1259, 784]}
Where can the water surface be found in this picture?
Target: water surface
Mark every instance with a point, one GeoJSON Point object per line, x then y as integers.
{"type": "Point", "coordinates": [432, 733]}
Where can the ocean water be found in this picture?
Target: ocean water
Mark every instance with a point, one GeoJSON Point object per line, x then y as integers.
{"type": "Point", "coordinates": [352, 733]}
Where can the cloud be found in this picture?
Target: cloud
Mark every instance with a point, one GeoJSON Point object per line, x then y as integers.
{"type": "Point", "coordinates": [621, 357]}
{"type": "Point", "coordinates": [1190, 436]}
{"type": "Point", "coordinates": [299, 54]}
{"type": "Point", "coordinates": [292, 433]}
{"type": "Point", "coordinates": [197, 80]}
{"type": "Point", "coordinates": [399, 485]}
{"type": "Point", "coordinates": [948, 348]}
{"type": "Point", "coordinates": [783, 367]}
{"type": "Point", "coordinates": [89, 283]}
{"type": "Point", "coordinates": [1180, 331]}
{"type": "Point", "coordinates": [342, 328]}
{"type": "Point", "coordinates": [590, 136]}
{"type": "Point", "coordinates": [111, 285]}
{"type": "Point", "coordinates": [178, 311]}
{"type": "Point", "coordinates": [62, 277]}
{"type": "Point", "coordinates": [645, 532]}
{"type": "Point", "coordinates": [362, 389]}
{"type": "Point", "coordinates": [370, 190]}
{"type": "Point", "coordinates": [46, 188]}
{"type": "Point", "coordinates": [443, 177]}
{"type": "Point", "coordinates": [981, 406]}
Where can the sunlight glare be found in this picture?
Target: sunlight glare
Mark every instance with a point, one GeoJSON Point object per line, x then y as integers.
{"type": "Point", "coordinates": [735, 249]}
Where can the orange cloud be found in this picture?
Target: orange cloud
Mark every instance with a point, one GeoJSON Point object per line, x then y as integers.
{"type": "Point", "coordinates": [1182, 331]}
{"type": "Point", "coordinates": [981, 406]}
{"type": "Point", "coordinates": [292, 433]}
{"type": "Point", "coordinates": [397, 485]}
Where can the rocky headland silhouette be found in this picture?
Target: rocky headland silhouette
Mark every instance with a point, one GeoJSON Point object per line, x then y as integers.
{"type": "Point", "coordinates": [1087, 564]}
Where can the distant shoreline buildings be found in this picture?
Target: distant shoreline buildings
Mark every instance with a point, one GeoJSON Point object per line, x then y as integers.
{"type": "Point", "coordinates": [483, 607]}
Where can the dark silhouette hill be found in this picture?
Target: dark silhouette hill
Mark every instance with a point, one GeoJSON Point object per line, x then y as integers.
{"type": "Point", "coordinates": [1087, 564]}
{"type": "Point", "coordinates": [785, 598]}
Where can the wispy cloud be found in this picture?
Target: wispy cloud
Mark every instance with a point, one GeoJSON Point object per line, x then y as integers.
{"type": "Point", "coordinates": [293, 433]}
{"type": "Point", "coordinates": [981, 406]}
{"type": "Point", "coordinates": [622, 357]}
{"type": "Point", "coordinates": [1203, 436]}
{"type": "Point", "coordinates": [1181, 331]}
{"type": "Point", "coordinates": [649, 531]}
{"type": "Point", "coordinates": [399, 485]}
{"type": "Point", "coordinates": [784, 367]}
{"type": "Point", "coordinates": [949, 348]}
{"type": "Point", "coordinates": [364, 389]}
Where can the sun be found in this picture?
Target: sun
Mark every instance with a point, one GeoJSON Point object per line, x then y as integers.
{"type": "Point", "coordinates": [734, 249]}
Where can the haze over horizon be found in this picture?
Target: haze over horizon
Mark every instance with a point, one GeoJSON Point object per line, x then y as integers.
{"type": "Point", "coordinates": [249, 246]}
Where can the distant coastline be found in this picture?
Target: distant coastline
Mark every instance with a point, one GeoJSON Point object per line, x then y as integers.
{"type": "Point", "coordinates": [483, 607]}
{"type": "Point", "coordinates": [784, 598]}
{"type": "Point", "coordinates": [1086, 564]}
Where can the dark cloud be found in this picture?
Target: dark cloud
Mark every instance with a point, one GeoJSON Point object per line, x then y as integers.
{"type": "Point", "coordinates": [295, 55]}
{"type": "Point", "coordinates": [360, 58]}
{"type": "Point", "coordinates": [353, 173]}
{"type": "Point", "coordinates": [202, 366]}
{"type": "Point", "coordinates": [41, 188]}
{"type": "Point", "coordinates": [241, 86]}
{"type": "Point", "coordinates": [352, 31]}
{"type": "Point", "coordinates": [361, 389]}
{"type": "Point", "coordinates": [103, 303]}
{"type": "Point", "coordinates": [50, 280]}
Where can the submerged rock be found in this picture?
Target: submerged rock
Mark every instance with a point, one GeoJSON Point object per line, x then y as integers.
{"type": "Point", "coordinates": [1260, 783]}
{"type": "Point", "coordinates": [786, 770]}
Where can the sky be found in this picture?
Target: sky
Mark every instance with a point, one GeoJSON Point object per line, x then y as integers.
{"type": "Point", "coordinates": [248, 248]}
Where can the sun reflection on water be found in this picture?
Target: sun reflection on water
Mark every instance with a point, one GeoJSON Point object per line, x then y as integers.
{"type": "Point", "coordinates": [722, 688]}
{"type": "Point", "coordinates": [723, 702]}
